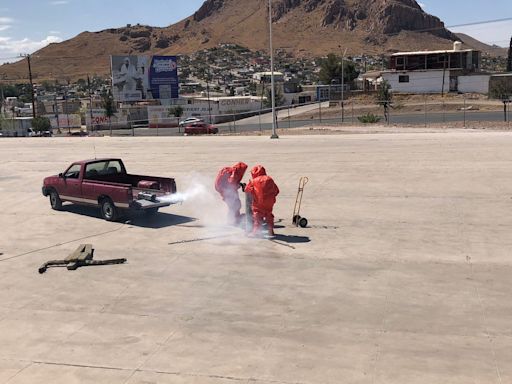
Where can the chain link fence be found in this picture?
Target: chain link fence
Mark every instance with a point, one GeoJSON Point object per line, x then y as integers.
{"type": "Point", "coordinates": [419, 111]}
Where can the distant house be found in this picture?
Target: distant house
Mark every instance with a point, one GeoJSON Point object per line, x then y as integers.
{"type": "Point", "coordinates": [265, 77]}
{"type": "Point", "coordinates": [442, 71]}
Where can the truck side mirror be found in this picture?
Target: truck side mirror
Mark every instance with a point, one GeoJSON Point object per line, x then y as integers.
{"type": "Point", "coordinates": [61, 175]}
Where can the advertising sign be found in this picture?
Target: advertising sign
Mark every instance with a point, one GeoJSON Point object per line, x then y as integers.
{"type": "Point", "coordinates": [100, 119]}
{"type": "Point", "coordinates": [136, 78]}
{"type": "Point", "coordinates": [163, 77]}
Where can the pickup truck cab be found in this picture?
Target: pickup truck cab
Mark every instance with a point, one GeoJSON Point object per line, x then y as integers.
{"type": "Point", "coordinates": [105, 183]}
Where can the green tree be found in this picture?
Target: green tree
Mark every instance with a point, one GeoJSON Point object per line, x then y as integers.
{"type": "Point", "coordinates": [41, 124]}
{"type": "Point", "coordinates": [385, 98]}
{"type": "Point", "coordinates": [331, 69]}
{"type": "Point", "coordinates": [501, 89]}
{"type": "Point", "coordinates": [176, 111]}
{"type": "Point", "coordinates": [267, 103]}
{"type": "Point", "coordinates": [10, 91]}
{"type": "Point", "coordinates": [2, 121]}
{"type": "Point", "coordinates": [109, 107]}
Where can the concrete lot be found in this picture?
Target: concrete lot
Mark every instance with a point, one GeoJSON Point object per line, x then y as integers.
{"type": "Point", "coordinates": [403, 276]}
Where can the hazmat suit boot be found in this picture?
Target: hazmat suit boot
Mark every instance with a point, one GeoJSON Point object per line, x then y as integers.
{"type": "Point", "coordinates": [257, 225]}
{"type": "Point", "coordinates": [269, 221]}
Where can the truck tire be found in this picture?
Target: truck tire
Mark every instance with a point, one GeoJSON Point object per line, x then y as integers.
{"type": "Point", "coordinates": [55, 201]}
{"type": "Point", "coordinates": [108, 210]}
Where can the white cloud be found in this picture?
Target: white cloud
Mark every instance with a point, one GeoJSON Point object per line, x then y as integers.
{"type": "Point", "coordinates": [59, 2]}
{"type": "Point", "coordinates": [422, 5]}
{"type": "Point", "coordinates": [54, 32]}
{"type": "Point", "coordinates": [11, 49]}
{"type": "Point", "coordinates": [5, 23]}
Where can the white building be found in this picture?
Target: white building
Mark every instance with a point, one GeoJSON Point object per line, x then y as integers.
{"type": "Point", "coordinates": [430, 81]}
{"type": "Point", "coordinates": [219, 109]}
{"type": "Point", "coordinates": [442, 71]}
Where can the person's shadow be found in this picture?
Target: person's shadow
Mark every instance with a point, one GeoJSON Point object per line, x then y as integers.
{"type": "Point", "coordinates": [292, 239]}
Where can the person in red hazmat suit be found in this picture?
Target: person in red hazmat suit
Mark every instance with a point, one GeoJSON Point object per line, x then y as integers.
{"type": "Point", "coordinates": [227, 184]}
{"type": "Point", "coordinates": [264, 191]}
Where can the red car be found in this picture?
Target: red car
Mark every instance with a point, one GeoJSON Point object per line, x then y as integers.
{"type": "Point", "coordinates": [105, 183]}
{"type": "Point", "coordinates": [201, 128]}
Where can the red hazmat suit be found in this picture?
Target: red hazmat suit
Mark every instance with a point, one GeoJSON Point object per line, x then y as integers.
{"type": "Point", "coordinates": [264, 192]}
{"type": "Point", "coordinates": [227, 184]}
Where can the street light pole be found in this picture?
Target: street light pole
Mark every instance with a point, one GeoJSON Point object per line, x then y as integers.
{"type": "Point", "coordinates": [274, 133]}
{"type": "Point", "coordinates": [343, 86]}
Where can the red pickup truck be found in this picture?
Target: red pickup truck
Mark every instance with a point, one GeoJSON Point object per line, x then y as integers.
{"type": "Point", "coordinates": [105, 183]}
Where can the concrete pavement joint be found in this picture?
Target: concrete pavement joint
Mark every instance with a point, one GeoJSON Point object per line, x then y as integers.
{"type": "Point", "coordinates": [19, 372]}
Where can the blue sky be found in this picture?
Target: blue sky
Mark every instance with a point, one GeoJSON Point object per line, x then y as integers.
{"type": "Point", "coordinates": [28, 25]}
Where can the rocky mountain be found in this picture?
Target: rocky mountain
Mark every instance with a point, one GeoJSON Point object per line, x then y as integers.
{"type": "Point", "coordinates": [302, 27]}
{"type": "Point", "coordinates": [491, 50]}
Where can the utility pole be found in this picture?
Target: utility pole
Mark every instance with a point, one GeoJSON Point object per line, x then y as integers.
{"type": "Point", "coordinates": [208, 95]}
{"type": "Point", "coordinates": [31, 85]}
{"type": "Point", "coordinates": [274, 133]}
{"type": "Point", "coordinates": [90, 100]}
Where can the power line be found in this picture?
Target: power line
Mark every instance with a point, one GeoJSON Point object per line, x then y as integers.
{"type": "Point", "coordinates": [480, 22]}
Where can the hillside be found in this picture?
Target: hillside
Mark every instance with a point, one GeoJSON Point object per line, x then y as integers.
{"type": "Point", "coordinates": [303, 27]}
{"type": "Point", "coordinates": [485, 48]}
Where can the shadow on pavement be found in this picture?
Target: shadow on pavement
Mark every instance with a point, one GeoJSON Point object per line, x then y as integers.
{"type": "Point", "coordinates": [137, 219]}
{"type": "Point", "coordinates": [160, 220]}
{"type": "Point", "coordinates": [292, 239]}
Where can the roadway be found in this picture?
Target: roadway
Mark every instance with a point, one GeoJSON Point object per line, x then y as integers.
{"type": "Point", "coordinates": [264, 122]}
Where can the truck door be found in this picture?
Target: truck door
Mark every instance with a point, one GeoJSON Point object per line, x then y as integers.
{"type": "Point", "coordinates": [71, 186]}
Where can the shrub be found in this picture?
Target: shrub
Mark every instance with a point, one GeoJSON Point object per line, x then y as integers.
{"type": "Point", "coordinates": [41, 124]}
{"type": "Point", "coordinates": [369, 118]}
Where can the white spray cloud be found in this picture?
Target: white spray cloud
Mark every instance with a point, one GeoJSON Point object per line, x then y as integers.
{"type": "Point", "coordinates": [202, 202]}
{"type": "Point", "coordinates": [201, 199]}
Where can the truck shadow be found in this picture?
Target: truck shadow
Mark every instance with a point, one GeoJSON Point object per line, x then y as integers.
{"type": "Point", "coordinates": [160, 220]}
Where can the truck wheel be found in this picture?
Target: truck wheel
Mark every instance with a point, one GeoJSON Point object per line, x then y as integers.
{"type": "Point", "coordinates": [151, 211]}
{"type": "Point", "coordinates": [55, 200]}
{"type": "Point", "coordinates": [108, 210]}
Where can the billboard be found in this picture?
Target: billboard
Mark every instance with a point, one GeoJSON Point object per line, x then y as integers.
{"type": "Point", "coordinates": [136, 78]}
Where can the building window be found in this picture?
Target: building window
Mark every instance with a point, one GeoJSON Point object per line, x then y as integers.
{"type": "Point", "coordinates": [400, 62]}
{"type": "Point", "coordinates": [403, 79]}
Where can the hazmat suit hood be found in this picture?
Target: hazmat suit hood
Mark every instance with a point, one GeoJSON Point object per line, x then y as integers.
{"type": "Point", "coordinates": [257, 171]}
{"type": "Point", "coordinates": [239, 170]}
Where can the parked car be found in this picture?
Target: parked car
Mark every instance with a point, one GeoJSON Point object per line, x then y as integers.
{"type": "Point", "coordinates": [104, 183]}
{"type": "Point", "coordinates": [201, 129]}
{"type": "Point", "coordinates": [190, 120]}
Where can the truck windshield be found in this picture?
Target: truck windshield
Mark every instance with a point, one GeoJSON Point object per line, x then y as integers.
{"type": "Point", "coordinates": [101, 168]}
